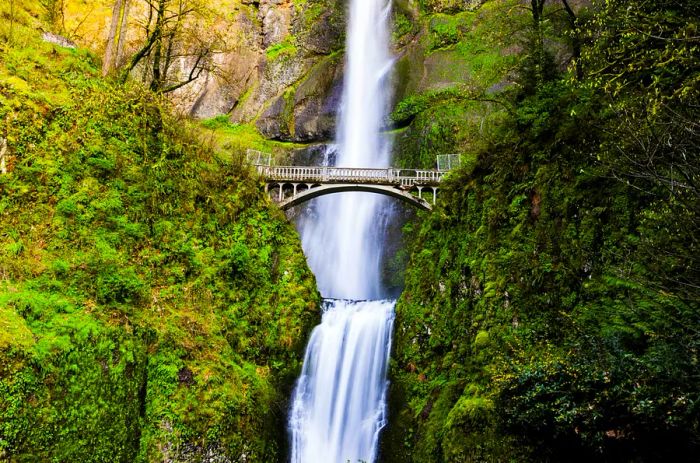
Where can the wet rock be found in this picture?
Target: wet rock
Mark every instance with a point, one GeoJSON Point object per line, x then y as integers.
{"type": "Point", "coordinates": [307, 111]}
{"type": "Point", "coordinates": [316, 101]}
{"type": "Point", "coordinates": [314, 155]}
{"type": "Point", "coordinates": [272, 123]}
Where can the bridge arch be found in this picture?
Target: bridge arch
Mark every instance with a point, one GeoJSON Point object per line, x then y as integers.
{"type": "Point", "coordinates": [331, 188]}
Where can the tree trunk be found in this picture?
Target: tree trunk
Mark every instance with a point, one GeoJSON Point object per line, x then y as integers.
{"type": "Point", "coordinates": [538, 41]}
{"type": "Point", "coordinates": [3, 152]}
{"type": "Point", "coordinates": [575, 39]}
{"type": "Point", "coordinates": [115, 41]}
{"type": "Point", "coordinates": [122, 34]}
{"type": "Point", "coordinates": [157, 81]}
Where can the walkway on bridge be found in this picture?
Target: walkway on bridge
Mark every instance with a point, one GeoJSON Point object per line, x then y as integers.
{"type": "Point", "coordinates": [293, 185]}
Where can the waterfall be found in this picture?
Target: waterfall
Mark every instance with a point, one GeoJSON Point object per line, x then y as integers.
{"type": "Point", "coordinates": [339, 403]}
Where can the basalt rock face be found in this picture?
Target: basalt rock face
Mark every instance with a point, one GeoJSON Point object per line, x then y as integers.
{"type": "Point", "coordinates": [284, 75]}
{"type": "Point", "coordinates": [306, 112]}
{"type": "Point", "coordinates": [454, 60]}
{"type": "Point", "coordinates": [451, 61]}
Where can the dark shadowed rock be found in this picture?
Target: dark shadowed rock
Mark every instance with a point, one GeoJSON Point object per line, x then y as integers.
{"type": "Point", "coordinates": [317, 99]}
{"type": "Point", "coordinates": [272, 123]}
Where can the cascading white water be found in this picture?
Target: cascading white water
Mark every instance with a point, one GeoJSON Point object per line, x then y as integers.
{"type": "Point", "coordinates": [339, 405]}
{"type": "Point", "coordinates": [343, 242]}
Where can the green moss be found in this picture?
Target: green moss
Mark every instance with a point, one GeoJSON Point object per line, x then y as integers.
{"type": "Point", "coordinates": [481, 340]}
{"type": "Point", "coordinates": [285, 49]}
{"type": "Point", "coordinates": [520, 295]}
{"type": "Point", "coordinates": [14, 331]}
{"type": "Point", "coordinates": [444, 122]}
{"type": "Point", "coordinates": [402, 25]}
{"type": "Point", "coordinates": [288, 115]}
{"type": "Point", "coordinates": [153, 300]}
{"type": "Point", "coordinates": [447, 30]}
{"type": "Point", "coordinates": [233, 140]}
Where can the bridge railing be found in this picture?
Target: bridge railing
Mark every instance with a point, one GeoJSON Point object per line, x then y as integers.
{"type": "Point", "coordinates": [326, 174]}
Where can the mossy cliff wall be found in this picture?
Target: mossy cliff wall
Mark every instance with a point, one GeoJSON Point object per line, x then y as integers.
{"type": "Point", "coordinates": [154, 305]}
{"type": "Point", "coordinates": [545, 316]}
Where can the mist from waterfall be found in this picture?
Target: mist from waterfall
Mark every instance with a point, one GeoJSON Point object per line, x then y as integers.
{"type": "Point", "coordinates": [339, 404]}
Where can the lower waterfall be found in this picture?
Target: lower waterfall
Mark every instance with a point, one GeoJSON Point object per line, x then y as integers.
{"type": "Point", "coordinates": [339, 406]}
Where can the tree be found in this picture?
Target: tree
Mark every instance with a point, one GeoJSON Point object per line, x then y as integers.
{"type": "Point", "coordinates": [538, 50]}
{"type": "Point", "coordinates": [552, 22]}
{"type": "Point", "coordinates": [174, 36]}
{"type": "Point", "coordinates": [644, 59]}
{"type": "Point", "coordinates": [575, 38]}
{"type": "Point", "coordinates": [117, 33]}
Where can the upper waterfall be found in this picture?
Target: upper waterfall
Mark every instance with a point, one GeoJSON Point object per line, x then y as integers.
{"type": "Point", "coordinates": [343, 239]}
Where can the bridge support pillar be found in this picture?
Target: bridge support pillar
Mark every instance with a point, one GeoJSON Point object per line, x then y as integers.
{"type": "Point", "coordinates": [434, 195]}
{"type": "Point", "coordinates": [295, 188]}
{"type": "Point", "coordinates": [420, 191]}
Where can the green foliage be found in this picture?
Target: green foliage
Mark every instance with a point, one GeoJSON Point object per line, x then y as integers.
{"type": "Point", "coordinates": [548, 313]}
{"type": "Point", "coordinates": [153, 303]}
{"type": "Point", "coordinates": [651, 47]}
{"type": "Point", "coordinates": [443, 122]}
{"type": "Point", "coordinates": [72, 394]}
{"type": "Point", "coordinates": [449, 6]}
{"type": "Point", "coordinates": [231, 141]}
{"type": "Point", "coordinates": [402, 25]}
{"type": "Point", "coordinates": [446, 30]}
{"type": "Point", "coordinates": [455, 100]}
{"type": "Point", "coordinates": [286, 49]}
{"type": "Point", "coordinates": [411, 106]}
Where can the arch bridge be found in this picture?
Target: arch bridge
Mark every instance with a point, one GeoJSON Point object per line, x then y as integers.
{"type": "Point", "coordinates": [293, 185]}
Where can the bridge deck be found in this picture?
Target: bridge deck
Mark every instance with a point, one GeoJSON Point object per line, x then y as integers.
{"type": "Point", "coordinates": [389, 177]}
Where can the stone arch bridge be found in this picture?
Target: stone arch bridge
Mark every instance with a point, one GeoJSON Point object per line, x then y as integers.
{"type": "Point", "coordinates": [293, 185]}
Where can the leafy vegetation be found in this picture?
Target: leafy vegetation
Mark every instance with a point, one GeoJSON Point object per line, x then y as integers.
{"type": "Point", "coordinates": [287, 48]}
{"type": "Point", "coordinates": [551, 306]}
{"type": "Point", "coordinates": [153, 304]}
{"type": "Point", "coordinates": [451, 102]}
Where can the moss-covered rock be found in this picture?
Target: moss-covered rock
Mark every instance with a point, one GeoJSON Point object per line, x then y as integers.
{"type": "Point", "coordinates": [294, 92]}
{"type": "Point", "coordinates": [449, 77]}
{"type": "Point", "coordinates": [533, 326]}
{"type": "Point", "coordinates": [154, 305]}
{"type": "Point", "coordinates": [307, 110]}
